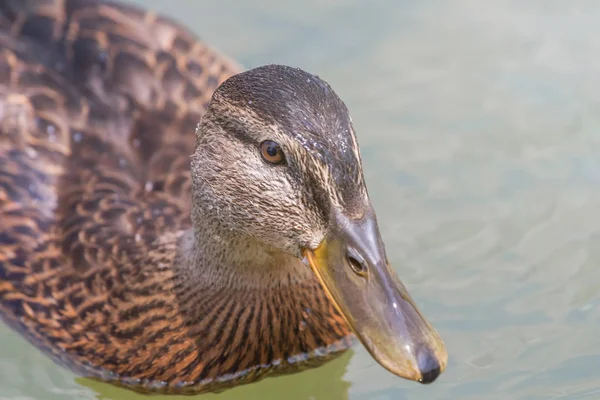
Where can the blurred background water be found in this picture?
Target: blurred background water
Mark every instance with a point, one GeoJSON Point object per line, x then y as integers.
{"type": "Point", "coordinates": [479, 128]}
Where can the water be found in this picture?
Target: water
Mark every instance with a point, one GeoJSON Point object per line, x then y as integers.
{"type": "Point", "coordinates": [479, 126]}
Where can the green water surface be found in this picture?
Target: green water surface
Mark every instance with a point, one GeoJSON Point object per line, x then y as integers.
{"type": "Point", "coordinates": [479, 123]}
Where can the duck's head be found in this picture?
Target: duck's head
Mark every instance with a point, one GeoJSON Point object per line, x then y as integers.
{"type": "Point", "coordinates": [277, 159]}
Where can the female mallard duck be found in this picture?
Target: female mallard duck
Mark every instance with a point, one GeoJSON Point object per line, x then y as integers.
{"type": "Point", "coordinates": [124, 261]}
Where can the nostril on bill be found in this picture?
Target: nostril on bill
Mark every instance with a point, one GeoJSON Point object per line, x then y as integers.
{"type": "Point", "coordinates": [357, 265]}
{"type": "Point", "coordinates": [429, 365]}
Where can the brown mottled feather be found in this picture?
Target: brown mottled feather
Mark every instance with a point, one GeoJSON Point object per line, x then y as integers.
{"type": "Point", "coordinates": [98, 105]}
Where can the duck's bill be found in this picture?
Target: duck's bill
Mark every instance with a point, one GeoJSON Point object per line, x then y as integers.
{"type": "Point", "coordinates": [352, 267]}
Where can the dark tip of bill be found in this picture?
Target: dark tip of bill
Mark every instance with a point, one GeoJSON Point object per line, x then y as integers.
{"type": "Point", "coordinates": [428, 365]}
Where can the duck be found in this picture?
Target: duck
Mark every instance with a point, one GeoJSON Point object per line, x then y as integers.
{"type": "Point", "coordinates": [171, 222]}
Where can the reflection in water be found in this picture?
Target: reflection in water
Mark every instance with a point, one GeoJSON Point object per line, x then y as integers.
{"type": "Point", "coordinates": [324, 383]}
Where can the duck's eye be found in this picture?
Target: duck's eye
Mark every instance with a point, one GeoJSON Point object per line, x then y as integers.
{"type": "Point", "coordinates": [271, 152]}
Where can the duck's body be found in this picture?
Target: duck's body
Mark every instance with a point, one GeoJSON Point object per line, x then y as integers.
{"type": "Point", "coordinates": [95, 193]}
{"type": "Point", "coordinates": [103, 263]}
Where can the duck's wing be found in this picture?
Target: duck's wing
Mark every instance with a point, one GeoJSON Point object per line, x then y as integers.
{"type": "Point", "coordinates": [98, 107]}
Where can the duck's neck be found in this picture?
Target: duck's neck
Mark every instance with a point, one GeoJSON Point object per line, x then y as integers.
{"type": "Point", "coordinates": [217, 257]}
{"type": "Point", "coordinates": [253, 308]}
